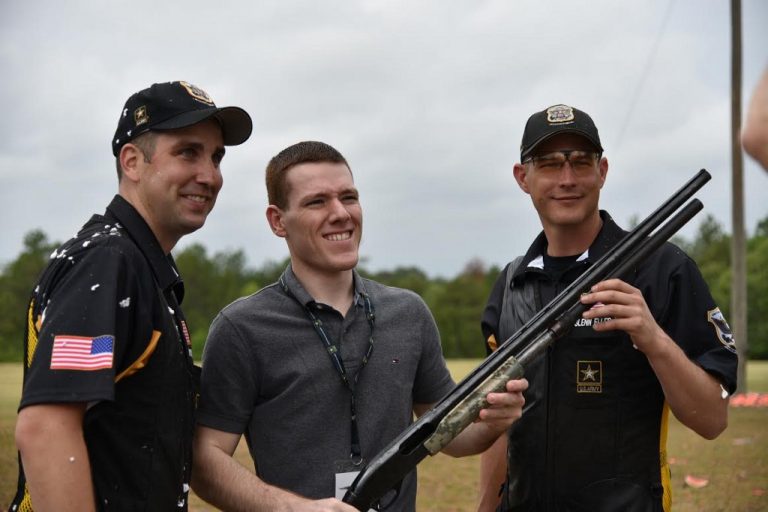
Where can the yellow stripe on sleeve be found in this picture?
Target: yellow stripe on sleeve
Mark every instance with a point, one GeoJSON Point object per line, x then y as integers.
{"type": "Point", "coordinates": [32, 330]}
{"type": "Point", "coordinates": [492, 344]}
{"type": "Point", "coordinates": [666, 475]}
{"type": "Point", "coordinates": [141, 362]}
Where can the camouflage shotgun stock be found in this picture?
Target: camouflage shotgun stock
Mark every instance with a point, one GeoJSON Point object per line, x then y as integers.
{"type": "Point", "coordinates": [451, 415]}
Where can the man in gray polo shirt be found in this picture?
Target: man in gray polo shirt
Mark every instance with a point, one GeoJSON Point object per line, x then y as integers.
{"type": "Point", "coordinates": [322, 369]}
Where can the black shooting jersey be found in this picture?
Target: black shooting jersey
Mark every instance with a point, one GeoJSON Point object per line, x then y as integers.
{"type": "Point", "coordinates": [105, 328]}
{"type": "Point", "coordinates": [594, 425]}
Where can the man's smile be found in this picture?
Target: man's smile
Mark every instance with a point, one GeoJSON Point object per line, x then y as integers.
{"type": "Point", "coordinates": [338, 237]}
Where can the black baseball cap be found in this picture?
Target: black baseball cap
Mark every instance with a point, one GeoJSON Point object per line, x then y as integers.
{"type": "Point", "coordinates": [557, 119]}
{"type": "Point", "coordinates": [174, 105]}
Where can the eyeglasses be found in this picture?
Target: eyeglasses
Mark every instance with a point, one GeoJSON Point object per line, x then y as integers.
{"type": "Point", "coordinates": [581, 161]}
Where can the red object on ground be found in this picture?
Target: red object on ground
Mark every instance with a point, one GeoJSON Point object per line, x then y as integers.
{"type": "Point", "coordinates": [749, 400]}
{"type": "Point", "coordinates": [696, 482]}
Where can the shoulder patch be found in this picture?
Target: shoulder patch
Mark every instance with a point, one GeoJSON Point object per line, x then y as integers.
{"type": "Point", "coordinates": [722, 329]}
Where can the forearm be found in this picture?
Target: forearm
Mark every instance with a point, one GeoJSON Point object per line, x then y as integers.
{"type": "Point", "coordinates": [503, 409]}
{"type": "Point", "coordinates": [493, 473]}
{"type": "Point", "coordinates": [476, 438]}
{"type": "Point", "coordinates": [694, 396]}
{"type": "Point", "coordinates": [220, 480]}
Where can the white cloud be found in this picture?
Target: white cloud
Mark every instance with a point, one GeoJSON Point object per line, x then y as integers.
{"type": "Point", "coordinates": [426, 99]}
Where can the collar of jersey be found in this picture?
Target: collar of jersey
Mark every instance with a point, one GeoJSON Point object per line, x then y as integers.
{"type": "Point", "coordinates": [306, 300]}
{"type": "Point", "coordinates": [609, 234]}
{"type": "Point", "coordinates": [163, 265]}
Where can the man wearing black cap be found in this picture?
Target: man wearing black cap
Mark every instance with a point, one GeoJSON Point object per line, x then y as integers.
{"type": "Point", "coordinates": [593, 431]}
{"type": "Point", "coordinates": [105, 421]}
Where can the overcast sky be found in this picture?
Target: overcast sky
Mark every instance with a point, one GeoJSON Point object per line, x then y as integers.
{"type": "Point", "coordinates": [427, 100]}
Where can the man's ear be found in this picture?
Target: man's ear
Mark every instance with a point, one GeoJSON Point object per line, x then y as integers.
{"type": "Point", "coordinates": [603, 166]}
{"type": "Point", "coordinates": [521, 176]}
{"type": "Point", "coordinates": [130, 158]}
{"type": "Point", "coordinates": [275, 220]}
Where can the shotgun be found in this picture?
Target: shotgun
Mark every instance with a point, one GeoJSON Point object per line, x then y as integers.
{"type": "Point", "coordinates": [453, 413]}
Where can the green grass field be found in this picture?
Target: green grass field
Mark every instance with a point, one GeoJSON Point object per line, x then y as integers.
{"type": "Point", "coordinates": [735, 464]}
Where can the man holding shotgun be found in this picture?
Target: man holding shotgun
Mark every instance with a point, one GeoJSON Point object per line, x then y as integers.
{"type": "Point", "coordinates": [323, 368]}
{"type": "Point", "coordinates": [593, 432]}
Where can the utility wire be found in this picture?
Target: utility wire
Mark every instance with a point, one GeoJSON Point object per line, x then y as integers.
{"type": "Point", "coordinates": [644, 74]}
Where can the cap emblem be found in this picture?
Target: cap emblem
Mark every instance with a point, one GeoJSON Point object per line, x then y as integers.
{"type": "Point", "coordinates": [140, 115]}
{"type": "Point", "coordinates": [197, 93]}
{"type": "Point", "coordinates": [560, 114]}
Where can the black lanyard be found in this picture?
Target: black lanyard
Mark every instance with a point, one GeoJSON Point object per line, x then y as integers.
{"type": "Point", "coordinates": [333, 352]}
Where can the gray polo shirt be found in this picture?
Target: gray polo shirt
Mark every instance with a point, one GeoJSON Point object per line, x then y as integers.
{"type": "Point", "coordinates": [267, 374]}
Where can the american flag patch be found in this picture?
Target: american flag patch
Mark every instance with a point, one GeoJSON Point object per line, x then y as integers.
{"type": "Point", "coordinates": [82, 353]}
{"type": "Point", "coordinates": [186, 333]}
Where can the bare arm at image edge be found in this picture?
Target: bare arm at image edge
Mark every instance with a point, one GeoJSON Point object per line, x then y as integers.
{"type": "Point", "coordinates": [55, 457]}
{"type": "Point", "coordinates": [754, 136]}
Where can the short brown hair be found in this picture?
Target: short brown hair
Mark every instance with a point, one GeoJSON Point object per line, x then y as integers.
{"type": "Point", "coordinates": [146, 142]}
{"type": "Point", "coordinates": [299, 153]}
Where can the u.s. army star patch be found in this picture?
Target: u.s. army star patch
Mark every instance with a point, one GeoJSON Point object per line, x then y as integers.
{"type": "Point", "coordinates": [589, 376]}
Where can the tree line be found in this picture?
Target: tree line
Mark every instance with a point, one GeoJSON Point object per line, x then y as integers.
{"type": "Point", "coordinates": [214, 280]}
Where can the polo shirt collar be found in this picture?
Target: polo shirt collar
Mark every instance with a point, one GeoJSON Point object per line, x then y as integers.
{"type": "Point", "coordinates": [305, 299]}
{"type": "Point", "coordinates": [163, 266]}
{"type": "Point", "coordinates": [609, 234]}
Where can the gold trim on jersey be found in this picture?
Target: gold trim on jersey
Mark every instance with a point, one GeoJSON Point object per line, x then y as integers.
{"type": "Point", "coordinates": [666, 477]}
{"type": "Point", "coordinates": [492, 343]}
{"type": "Point", "coordinates": [32, 329]}
{"type": "Point", "coordinates": [141, 362]}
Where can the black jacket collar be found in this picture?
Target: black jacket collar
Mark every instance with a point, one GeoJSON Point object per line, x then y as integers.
{"type": "Point", "coordinates": [163, 265]}
{"type": "Point", "coordinates": [609, 234]}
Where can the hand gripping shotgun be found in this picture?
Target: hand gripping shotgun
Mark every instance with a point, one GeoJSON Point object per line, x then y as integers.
{"type": "Point", "coordinates": [459, 408]}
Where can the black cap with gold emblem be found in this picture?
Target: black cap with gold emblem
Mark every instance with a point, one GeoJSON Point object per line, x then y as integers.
{"type": "Point", "coordinates": [557, 119]}
{"type": "Point", "coordinates": [174, 105]}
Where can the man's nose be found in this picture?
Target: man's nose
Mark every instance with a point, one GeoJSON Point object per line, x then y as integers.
{"type": "Point", "coordinates": [339, 210]}
{"type": "Point", "coordinates": [566, 172]}
{"type": "Point", "coordinates": [209, 173]}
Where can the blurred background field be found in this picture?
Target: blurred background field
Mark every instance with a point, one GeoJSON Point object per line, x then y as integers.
{"type": "Point", "coordinates": [734, 466]}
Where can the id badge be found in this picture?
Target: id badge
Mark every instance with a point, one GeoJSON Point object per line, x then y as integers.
{"type": "Point", "coordinates": [346, 472]}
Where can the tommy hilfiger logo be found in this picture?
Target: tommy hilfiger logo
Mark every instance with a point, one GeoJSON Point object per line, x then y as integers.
{"type": "Point", "coordinates": [589, 376]}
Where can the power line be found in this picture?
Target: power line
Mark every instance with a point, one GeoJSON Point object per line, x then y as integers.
{"type": "Point", "coordinates": [644, 74]}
